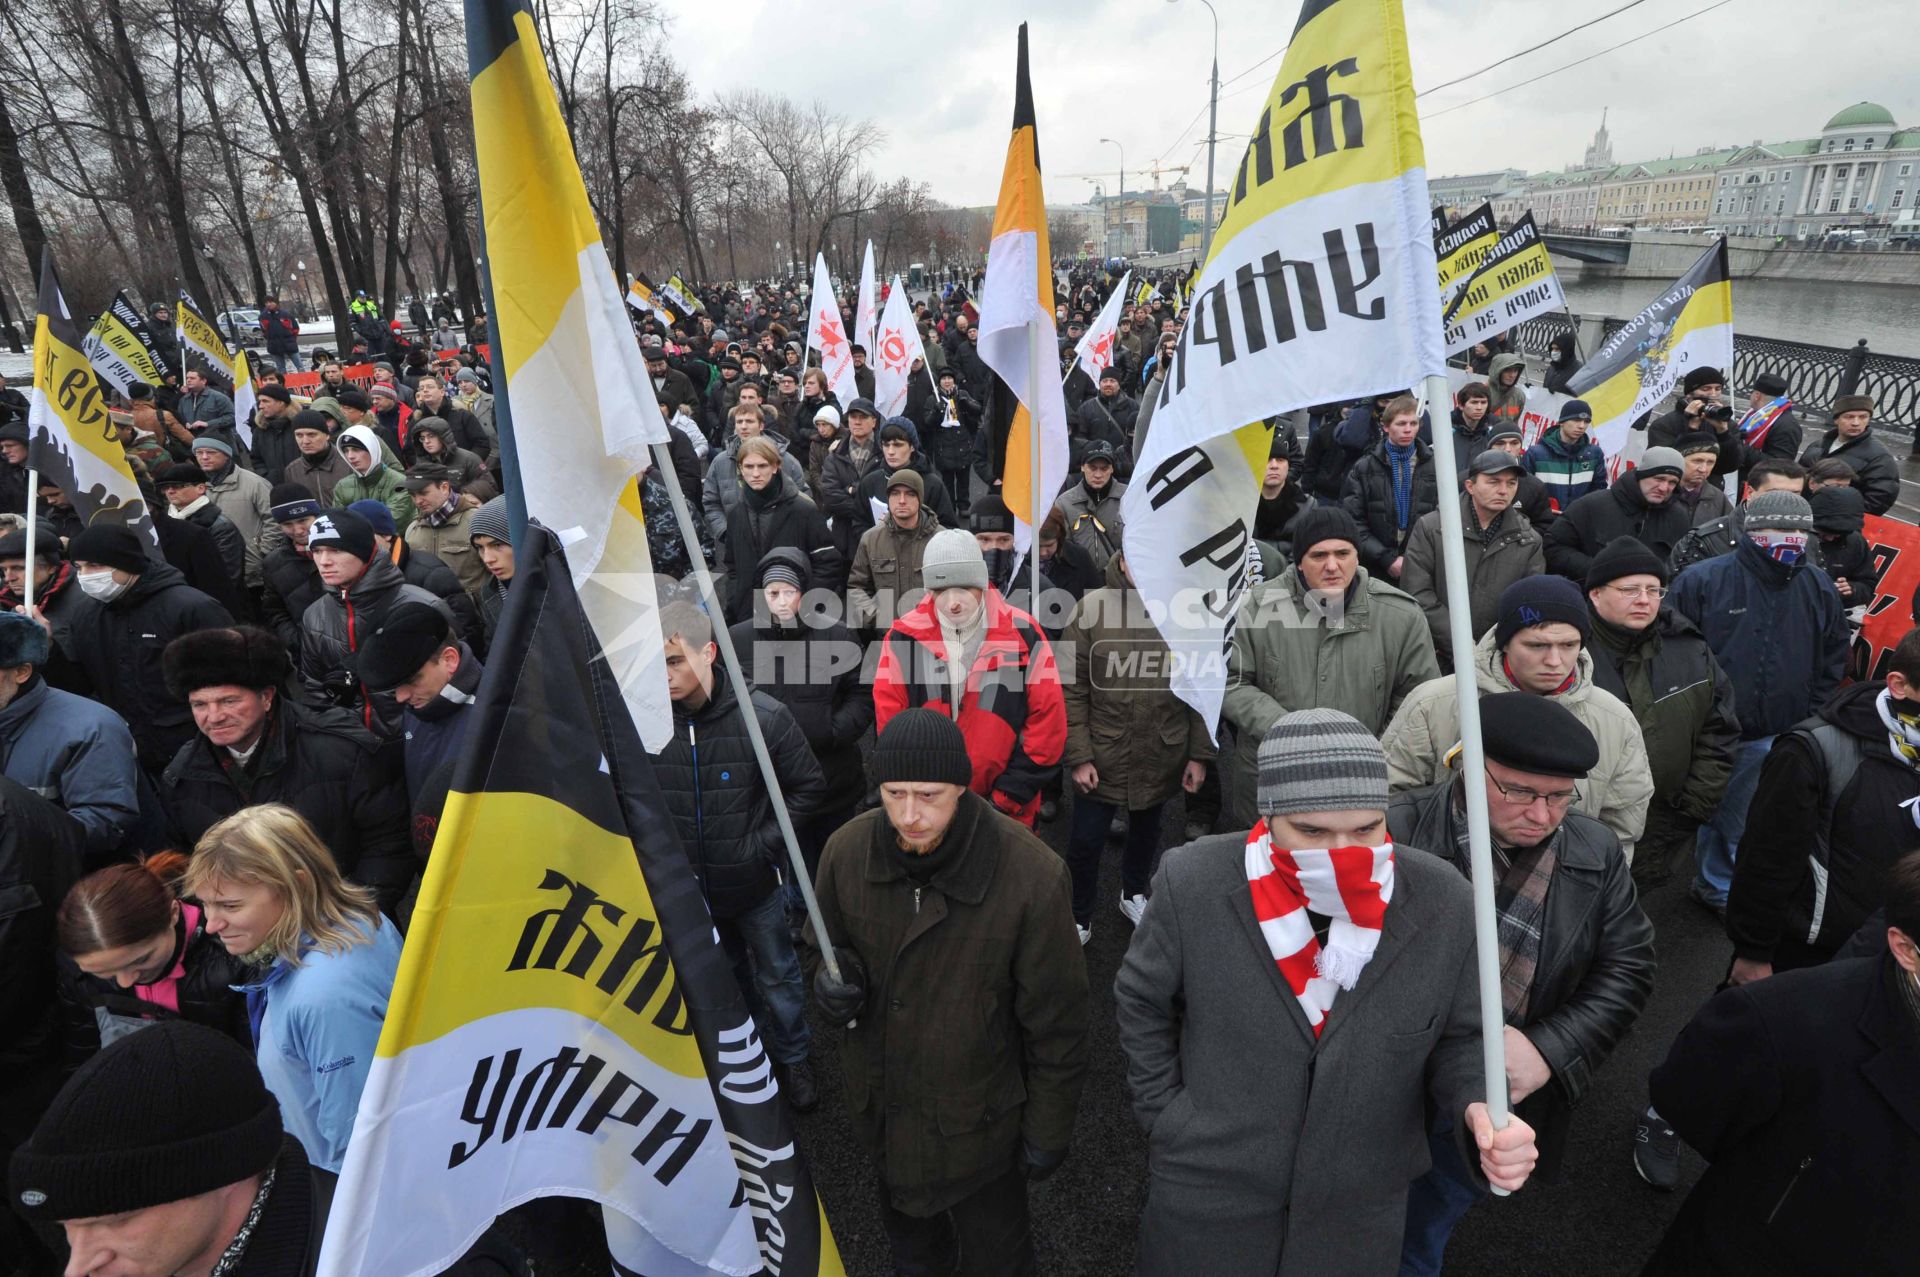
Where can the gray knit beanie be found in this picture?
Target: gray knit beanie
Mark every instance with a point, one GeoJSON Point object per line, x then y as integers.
{"type": "Point", "coordinates": [490, 520]}
{"type": "Point", "coordinates": [1787, 511]}
{"type": "Point", "coordinates": [953, 560]}
{"type": "Point", "coordinates": [1320, 760]}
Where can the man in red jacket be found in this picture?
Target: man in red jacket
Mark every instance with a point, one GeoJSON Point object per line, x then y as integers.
{"type": "Point", "coordinates": [969, 654]}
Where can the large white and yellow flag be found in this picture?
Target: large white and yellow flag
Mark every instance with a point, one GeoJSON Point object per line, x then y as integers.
{"type": "Point", "coordinates": [1689, 325]}
{"type": "Point", "coordinates": [573, 401]}
{"type": "Point", "coordinates": [1320, 288]}
{"type": "Point", "coordinates": [1018, 339]}
{"type": "Point", "coordinates": [1514, 281]}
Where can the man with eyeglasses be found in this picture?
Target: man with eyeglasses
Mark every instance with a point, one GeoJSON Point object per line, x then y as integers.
{"type": "Point", "coordinates": [1538, 646]}
{"type": "Point", "coordinates": [1576, 951]}
{"type": "Point", "coordinates": [1657, 661]}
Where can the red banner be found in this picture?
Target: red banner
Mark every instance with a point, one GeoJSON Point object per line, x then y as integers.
{"type": "Point", "coordinates": [1896, 553]}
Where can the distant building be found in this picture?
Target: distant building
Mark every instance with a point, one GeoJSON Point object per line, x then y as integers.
{"type": "Point", "coordinates": [1461, 195]}
{"type": "Point", "coordinates": [1859, 173]}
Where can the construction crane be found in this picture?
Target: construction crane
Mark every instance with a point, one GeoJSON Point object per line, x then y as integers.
{"type": "Point", "coordinates": [1155, 170]}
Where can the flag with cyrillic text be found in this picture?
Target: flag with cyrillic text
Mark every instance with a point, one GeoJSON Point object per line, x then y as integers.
{"type": "Point", "coordinates": [1514, 282]}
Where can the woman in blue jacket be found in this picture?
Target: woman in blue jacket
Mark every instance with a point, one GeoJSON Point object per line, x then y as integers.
{"type": "Point", "coordinates": [325, 961]}
{"type": "Point", "coordinates": [1568, 464]}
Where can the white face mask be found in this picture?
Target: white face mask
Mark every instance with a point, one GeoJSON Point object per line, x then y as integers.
{"type": "Point", "coordinates": [102, 586]}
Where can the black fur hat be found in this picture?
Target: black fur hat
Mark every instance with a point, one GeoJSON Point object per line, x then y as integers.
{"type": "Point", "coordinates": [235, 656]}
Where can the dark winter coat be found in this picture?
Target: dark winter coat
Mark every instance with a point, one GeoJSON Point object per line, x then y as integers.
{"type": "Point", "coordinates": [1814, 858]}
{"type": "Point", "coordinates": [119, 644]}
{"type": "Point", "coordinates": [1705, 541]}
{"type": "Point", "coordinates": [1583, 530]}
{"type": "Point", "coordinates": [935, 495]}
{"type": "Point", "coordinates": [1878, 473]}
{"type": "Point", "coordinates": [951, 446]}
{"type": "Point", "coordinates": [1469, 443]}
{"type": "Point", "coordinates": [1779, 632]}
{"type": "Point", "coordinates": [281, 331]}
{"type": "Point", "coordinates": [973, 1039]}
{"type": "Point", "coordinates": [722, 808]}
{"type": "Point", "coordinates": [813, 670]}
{"type": "Point", "coordinates": [1839, 514]}
{"type": "Point", "coordinates": [1596, 953]}
{"type": "Point", "coordinates": [331, 631]}
{"type": "Point", "coordinates": [1334, 448]}
{"type": "Point", "coordinates": [1567, 472]}
{"type": "Point", "coordinates": [1093, 423]}
{"type": "Point", "coordinates": [226, 537]}
{"type": "Point", "coordinates": [289, 583]}
{"type": "Point", "coordinates": [839, 495]}
{"type": "Point", "coordinates": [1799, 1092]}
{"type": "Point", "coordinates": [465, 428]}
{"type": "Point", "coordinates": [433, 734]}
{"type": "Point", "coordinates": [767, 520]}
{"type": "Point", "coordinates": [322, 764]}
{"type": "Point", "coordinates": [273, 447]}
{"type": "Point", "coordinates": [1368, 496]}
{"type": "Point", "coordinates": [39, 863]}
{"type": "Point", "coordinates": [196, 553]}
{"type": "Point", "coordinates": [431, 573]}
{"type": "Point", "coordinates": [1667, 676]}
{"type": "Point", "coordinates": [100, 1012]}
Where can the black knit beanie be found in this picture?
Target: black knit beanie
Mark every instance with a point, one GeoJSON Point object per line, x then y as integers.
{"type": "Point", "coordinates": [1541, 600]}
{"type": "Point", "coordinates": [1319, 523]}
{"type": "Point", "coordinates": [172, 1111]}
{"type": "Point", "coordinates": [1624, 556]}
{"type": "Point", "coordinates": [114, 544]}
{"type": "Point", "coordinates": [921, 745]}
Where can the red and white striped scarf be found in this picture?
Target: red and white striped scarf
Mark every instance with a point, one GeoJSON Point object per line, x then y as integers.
{"type": "Point", "coordinates": [1349, 885]}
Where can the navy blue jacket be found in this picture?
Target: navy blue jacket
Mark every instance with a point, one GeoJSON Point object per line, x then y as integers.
{"type": "Point", "coordinates": [1779, 632]}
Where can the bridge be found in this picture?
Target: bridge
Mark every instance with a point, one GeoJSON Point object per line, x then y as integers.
{"type": "Point", "coordinates": [1589, 248]}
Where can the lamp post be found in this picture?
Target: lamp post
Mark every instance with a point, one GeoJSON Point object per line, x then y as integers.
{"type": "Point", "coordinates": [1120, 191]}
{"type": "Point", "coordinates": [1213, 115]}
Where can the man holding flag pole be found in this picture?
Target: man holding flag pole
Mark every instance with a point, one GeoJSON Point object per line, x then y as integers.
{"type": "Point", "coordinates": [1328, 210]}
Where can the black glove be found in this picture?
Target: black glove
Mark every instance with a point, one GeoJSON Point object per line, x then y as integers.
{"type": "Point", "coordinates": [341, 688]}
{"type": "Point", "coordinates": [1038, 1163]}
{"type": "Point", "coordinates": [841, 1000]}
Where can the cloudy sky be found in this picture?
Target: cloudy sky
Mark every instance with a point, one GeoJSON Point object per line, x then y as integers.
{"type": "Point", "coordinates": [937, 76]}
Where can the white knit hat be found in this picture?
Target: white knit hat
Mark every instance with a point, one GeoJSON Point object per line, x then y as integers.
{"type": "Point", "coordinates": [953, 560]}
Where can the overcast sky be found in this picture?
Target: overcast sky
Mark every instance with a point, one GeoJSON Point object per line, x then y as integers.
{"type": "Point", "coordinates": [937, 75]}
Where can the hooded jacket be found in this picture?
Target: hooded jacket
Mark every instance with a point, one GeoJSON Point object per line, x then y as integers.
{"type": "Point", "coordinates": [1879, 473]}
{"type": "Point", "coordinates": [322, 764]}
{"type": "Point", "coordinates": [118, 645]}
{"type": "Point", "coordinates": [1623, 510]}
{"type": "Point", "coordinates": [1616, 792]}
{"type": "Point", "coordinates": [1684, 702]}
{"type": "Point", "coordinates": [935, 495]}
{"type": "Point", "coordinates": [1505, 405]}
{"type": "Point", "coordinates": [1122, 715]}
{"type": "Point", "coordinates": [814, 670]}
{"type": "Point", "coordinates": [382, 482]}
{"type": "Point", "coordinates": [1779, 632]}
{"type": "Point", "coordinates": [1496, 558]}
{"type": "Point", "coordinates": [710, 782]}
{"type": "Point", "coordinates": [1364, 659]}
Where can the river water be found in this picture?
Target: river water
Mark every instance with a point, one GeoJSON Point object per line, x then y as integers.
{"type": "Point", "coordinates": [1888, 316]}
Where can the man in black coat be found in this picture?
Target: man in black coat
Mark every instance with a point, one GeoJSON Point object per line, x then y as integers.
{"type": "Point", "coordinates": [1828, 820]}
{"type": "Point", "coordinates": [723, 810]}
{"type": "Point", "coordinates": [289, 583]}
{"type": "Point", "coordinates": [169, 1146]}
{"type": "Point", "coordinates": [135, 607]}
{"type": "Point", "coordinates": [252, 746]}
{"type": "Point", "coordinates": [1770, 427]}
{"type": "Point", "coordinates": [1373, 496]}
{"type": "Point", "coordinates": [1576, 950]}
{"type": "Point", "coordinates": [1803, 1093]}
{"type": "Point", "coordinates": [1640, 505]}
{"type": "Point", "coordinates": [1852, 440]}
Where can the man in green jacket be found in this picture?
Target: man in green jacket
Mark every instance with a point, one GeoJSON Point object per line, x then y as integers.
{"type": "Point", "coordinates": [372, 479]}
{"type": "Point", "coordinates": [1323, 634]}
{"type": "Point", "coordinates": [964, 996]}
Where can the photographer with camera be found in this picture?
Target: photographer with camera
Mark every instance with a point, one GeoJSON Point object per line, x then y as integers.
{"type": "Point", "coordinates": [1702, 407]}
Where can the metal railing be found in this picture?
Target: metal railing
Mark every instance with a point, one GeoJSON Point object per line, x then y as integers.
{"type": "Point", "coordinates": [1816, 374]}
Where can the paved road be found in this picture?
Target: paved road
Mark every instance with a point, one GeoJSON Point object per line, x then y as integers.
{"type": "Point", "coordinates": [1600, 1221]}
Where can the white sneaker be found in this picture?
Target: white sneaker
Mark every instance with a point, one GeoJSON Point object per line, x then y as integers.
{"type": "Point", "coordinates": [1086, 934]}
{"type": "Point", "coordinates": [1134, 907]}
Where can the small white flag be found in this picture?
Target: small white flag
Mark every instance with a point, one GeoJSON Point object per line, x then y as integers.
{"type": "Point", "coordinates": [827, 333]}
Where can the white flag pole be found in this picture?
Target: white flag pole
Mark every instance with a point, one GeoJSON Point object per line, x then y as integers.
{"type": "Point", "coordinates": [1473, 767]}
{"type": "Point", "coordinates": [33, 527]}
{"type": "Point", "coordinates": [1035, 351]}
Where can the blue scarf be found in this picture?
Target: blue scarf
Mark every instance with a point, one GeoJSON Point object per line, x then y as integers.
{"type": "Point", "coordinates": [1400, 460]}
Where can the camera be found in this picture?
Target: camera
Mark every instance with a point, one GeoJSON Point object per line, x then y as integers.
{"type": "Point", "coordinates": [1717, 412]}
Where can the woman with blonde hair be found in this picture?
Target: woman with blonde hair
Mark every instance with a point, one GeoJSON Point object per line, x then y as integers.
{"type": "Point", "coordinates": [323, 959]}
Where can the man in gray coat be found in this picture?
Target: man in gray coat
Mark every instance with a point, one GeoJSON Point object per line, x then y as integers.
{"type": "Point", "coordinates": [1337, 987]}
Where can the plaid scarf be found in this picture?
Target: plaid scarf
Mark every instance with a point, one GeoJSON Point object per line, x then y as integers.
{"type": "Point", "coordinates": [1351, 886]}
{"type": "Point", "coordinates": [1523, 876]}
{"type": "Point", "coordinates": [439, 517]}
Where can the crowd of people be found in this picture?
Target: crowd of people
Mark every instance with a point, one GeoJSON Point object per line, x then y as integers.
{"type": "Point", "coordinates": [228, 745]}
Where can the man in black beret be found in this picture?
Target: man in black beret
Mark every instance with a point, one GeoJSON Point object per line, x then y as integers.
{"type": "Point", "coordinates": [1576, 951]}
{"type": "Point", "coordinates": [415, 655]}
{"type": "Point", "coordinates": [165, 1154]}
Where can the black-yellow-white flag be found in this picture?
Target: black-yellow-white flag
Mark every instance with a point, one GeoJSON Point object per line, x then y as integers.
{"type": "Point", "coordinates": [1458, 249]}
{"type": "Point", "coordinates": [1514, 282]}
